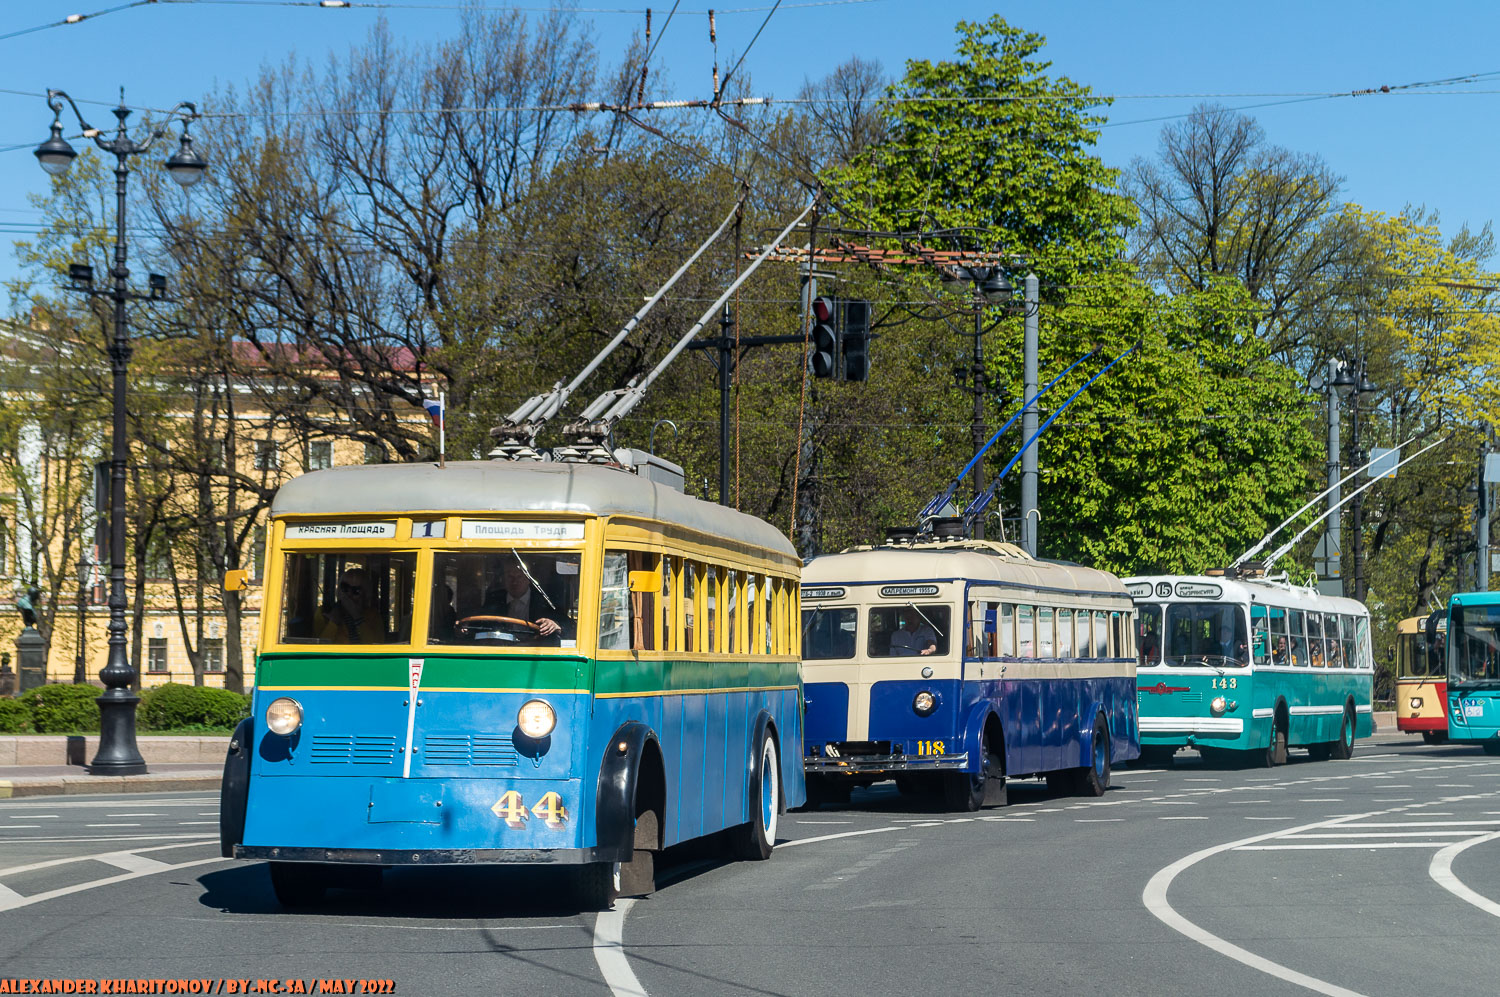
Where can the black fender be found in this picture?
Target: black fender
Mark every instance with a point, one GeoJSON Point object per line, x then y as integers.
{"type": "Point", "coordinates": [234, 791]}
{"type": "Point", "coordinates": [614, 801]}
{"type": "Point", "coordinates": [763, 724]}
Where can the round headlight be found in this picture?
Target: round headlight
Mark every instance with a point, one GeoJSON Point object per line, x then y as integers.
{"type": "Point", "coordinates": [1219, 705]}
{"type": "Point", "coordinates": [284, 716]}
{"type": "Point", "coordinates": [924, 703]}
{"type": "Point", "coordinates": [1416, 702]}
{"type": "Point", "coordinates": [536, 719]}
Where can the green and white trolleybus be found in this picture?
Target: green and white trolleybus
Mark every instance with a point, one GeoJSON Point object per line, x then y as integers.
{"type": "Point", "coordinates": [1242, 668]}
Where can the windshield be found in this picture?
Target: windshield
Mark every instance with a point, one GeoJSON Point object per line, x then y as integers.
{"type": "Point", "coordinates": [347, 597]}
{"type": "Point", "coordinates": [1148, 635]}
{"type": "Point", "coordinates": [504, 598]}
{"type": "Point", "coordinates": [1474, 643]}
{"type": "Point", "coordinates": [903, 631]}
{"type": "Point", "coordinates": [1412, 659]}
{"type": "Point", "coordinates": [828, 633]}
{"type": "Point", "coordinates": [1209, 634]}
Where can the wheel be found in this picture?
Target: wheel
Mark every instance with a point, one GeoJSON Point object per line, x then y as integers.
{"type": "Point", "coordinates": [1276, 749]}
{"type": "Point", "coordinates": [755, 839]}
{"type": "Point", "coordinates": [1434, 737]}
{"type": "Point", "coordinates": [964, 792]}
{"type": "Point", "coordinates": [596, 885]}
{"type": "Point", "coordinates": [1343, 748]}
{"type": "Point", "coordinates": [298, 884]}
{"type": "Point", "coordinates": [1093, 779]}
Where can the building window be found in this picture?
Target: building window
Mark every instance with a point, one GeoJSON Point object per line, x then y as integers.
{"type": "Point", "coordinates": [4, 546]}
{"type": "Point", "coordinates": [258, 553]}
{"type": "Point", "coordinates": [374, 453]}
{"type": "Point", "coordinates": [156, 654]}
{"type": "Point", "coordinates": [319, 455]}
{"type": "Point", "coordinates": [159, 559]}
{"type": "Point", "coordinates": [213, 654]}
{"type": "Point", "coordinates": [267, 457]}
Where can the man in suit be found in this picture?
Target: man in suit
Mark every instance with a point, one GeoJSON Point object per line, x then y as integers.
{"type": "Point", "coordinates": [1227, 646]}
{"type": "Point", "coordinates": [519, 598]}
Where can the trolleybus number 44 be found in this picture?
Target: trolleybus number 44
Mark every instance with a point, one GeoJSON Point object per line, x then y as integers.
{"type": "Point", "coordinates": [512, 809]}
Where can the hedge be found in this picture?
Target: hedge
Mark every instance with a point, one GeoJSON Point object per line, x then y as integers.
{"type": "Point", "coordinates": [63, 709]}
{"type": "Point", "coordinates": [15, 717]}
{"type": "Point", "coordinates": [175, 706]}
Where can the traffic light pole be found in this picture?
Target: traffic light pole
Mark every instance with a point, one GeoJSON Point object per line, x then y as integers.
{"type": "Point", "coordinates": [724, 343]}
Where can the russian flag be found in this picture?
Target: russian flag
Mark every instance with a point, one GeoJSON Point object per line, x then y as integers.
{"type": "Point", "coordinates": [434, 407]}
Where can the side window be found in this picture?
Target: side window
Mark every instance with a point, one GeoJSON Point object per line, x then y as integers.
{"type": "Point", "coordinates": [690, 607]}
{"type": "Point", "coordinates": [733, 614]}
{"type": "Point", "coordinates": [645, 618]}
{"type": "Point", "coordinates": [979, 633]}
{"type": "Point", "coordinates": [1298, 624]}
{"type": "Point", "coordinates": [711, 600]}
{"type": "Point", "coordinates": [1007, 630]}
{"type": "Point", "coordinates": [614, 633]}
{"type": "Point", "coordinates": [1260, 634]}
{"type": "Point", "coordinates": [1346, 641]}
{"type": "Point", "coordinates": [1101, 635]}
{"type": "Point", "coordinates": [1064, 633]}
{"type": "Point", "coordinates": [1025, 633]}
{"type": "Point", "coordinates": [671, 639]}
{"type": "Point", "coordinates": [1045, 648]}
{"type": "Point", "coordinates": [1085, 639]}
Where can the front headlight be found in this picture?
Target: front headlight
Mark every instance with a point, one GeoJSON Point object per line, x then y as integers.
{"type": "Point", "coordinates": [536, 719]}
{"type": "Point", "coordinates": [1416, 702]}
{"type": "Point", "coordinates": [924, 703]}
{"type": "Point", "coordinates": [1219, 705]}
{"type": "Point", "coordinates": [284, 716]}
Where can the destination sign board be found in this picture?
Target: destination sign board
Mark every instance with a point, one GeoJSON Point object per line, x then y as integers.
{"type": "Point", "coordinates": [822, 593]}
{"type": "Point", "coordinates": [1198, 590]}
{"type": "Point", "coordinates": [500, 529]}
{"type": "Point", "coordinates": [907, 591]}
{"type": "Point", "coordinates": [340, 531]}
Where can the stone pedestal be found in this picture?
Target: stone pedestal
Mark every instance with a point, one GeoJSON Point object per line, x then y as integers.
{"type": "Point", "coordinates": [31, 659]}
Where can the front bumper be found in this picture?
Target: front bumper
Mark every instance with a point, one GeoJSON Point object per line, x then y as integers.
{"type": "Point", "coordinates": [877, 764]}
{"type": "Point", "coordinates": [447, 856]}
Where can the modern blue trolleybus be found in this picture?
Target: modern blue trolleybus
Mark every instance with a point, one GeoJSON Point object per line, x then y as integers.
{"type": "Point", "coordinates": [1474, 669]}
{"type": "Point", "coordinates": [954, 664]}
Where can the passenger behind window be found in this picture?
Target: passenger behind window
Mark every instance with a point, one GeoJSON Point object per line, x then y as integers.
{"type": "Point", "coordinates": [350, 620]}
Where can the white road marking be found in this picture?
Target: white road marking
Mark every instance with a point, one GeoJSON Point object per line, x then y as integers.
{"type": "Point", "coordinates": [111, 825]}
{"type": "Point", "coordinates": [1155, 899]}
{"type": "Point", "coordinates": [1268, 818]}
{"type": "Point", "coordinates": [135, 815]}
{"type": "Point", "coordinates": [1427, 823]}
{"type": "Point", "coordinates": [840, 834]}
{"type": "Point", "coordinates": [1350, 846]}
{"type": "Point", "coordinates": [186, 823]}
{"type": "Point", "coordinates": [104, 837]}
{"type": "Point", "coordinates": [1236, 803]}
{"type": "Point", "coordinates": [1455, 785]}
{"type": "Point", "coordinates": [1441, 871]}
{"type": "Point", "coordinates": [1322, 799]}
{"type": "Point", "coordinates": [1182, 818]}
{"type": "Point", "coordinates": [50, 863]}
{"type": "Point", "coordinates": [11, 903]}
{"type": "Point", "coordinates": [208, 813]}
{"type": "Point", "coordinates": [33, 817]}
{"type": "Point", "coordinates": [131, 862]}
{"type": "Point", "coordinates": [1201, 780]}
{"type": "Point", "coordinates": [609, 951]}
{"type": "Point", "coordinates": [1402, 799]}
{"type": "Point", "coordinates": [798, 822]}
{"type": "Point", "coordinates": [1096, 820]}
{"type": "Point", "coordinates": [22, 827]}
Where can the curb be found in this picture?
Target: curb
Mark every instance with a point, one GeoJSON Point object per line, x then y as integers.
{"type": "Point", "coordinates": [80, 785]}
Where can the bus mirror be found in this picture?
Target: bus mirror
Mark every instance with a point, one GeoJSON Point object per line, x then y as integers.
{"type": "Point", "coordinates": [235, 580]}
{"type": "Point", "coordinates": [645, 581]}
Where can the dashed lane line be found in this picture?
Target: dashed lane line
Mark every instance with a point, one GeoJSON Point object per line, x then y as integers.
{"type": "Point", "coordinates": [1441, 871]}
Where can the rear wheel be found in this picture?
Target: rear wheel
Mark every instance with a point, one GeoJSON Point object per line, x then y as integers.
{"type": "Point", "coordinates": [755, 839]}
{"type": "Point", "coordinates": [596, 885]}
{"type": "Point", "coordinates": [299, 884]}
{"type": "Point", "coordinates": [1093, 779]}
{"type": "Point", "coordinates": [1276, 750]}
{"type": "Point", "coordinates": [1343, 748]}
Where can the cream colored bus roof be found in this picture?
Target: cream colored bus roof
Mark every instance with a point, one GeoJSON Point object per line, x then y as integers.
{"type": "Point", "coordinates": [975, 560]}
{"type": "Point", "coordinates": [489, 487]}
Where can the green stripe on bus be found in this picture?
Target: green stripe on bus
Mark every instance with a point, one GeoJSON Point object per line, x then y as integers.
{"type": "Point", "coordinates": [623, 678]}
{"type": "Point", "coordinates": [383, 671]}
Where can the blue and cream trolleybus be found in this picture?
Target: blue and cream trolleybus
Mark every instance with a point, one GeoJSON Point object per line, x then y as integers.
{"type": "Point", "coordinates": [1473, 658]}
{"type": "Point", "coordinates": [953, 664]}
{"type": "Point", "coordinates": [514, 662]}
{"type": "Point", "coordinates": [1241, 668]}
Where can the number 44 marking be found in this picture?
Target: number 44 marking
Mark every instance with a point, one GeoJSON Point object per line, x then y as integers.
{"type": "Point", "coordinates": [512, 809]}
{"type": "Point", "coordinates": [551, 810]}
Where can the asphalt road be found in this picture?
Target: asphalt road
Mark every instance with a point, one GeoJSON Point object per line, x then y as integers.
{"type": "Point", "coordinates": [1373, 876]}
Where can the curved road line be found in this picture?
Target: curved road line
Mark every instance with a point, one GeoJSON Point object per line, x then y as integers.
{"type": "Point", "coordinates": [1441, 871]}
{"type": "Point", "coordinates": [609, 952]}
{"type": "Point", "coordinates": [1155, 899]}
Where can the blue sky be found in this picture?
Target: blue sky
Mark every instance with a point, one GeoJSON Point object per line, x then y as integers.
{"type": "Point", "coordinates": [1425, 146]}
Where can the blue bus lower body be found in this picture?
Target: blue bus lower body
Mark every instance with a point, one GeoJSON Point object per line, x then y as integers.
{"type": "Point", "coordinates": [1474, 717]}
{"type": "Point", "coordinates": [1045, 725]}
{"type": "Point", "coordinates": [472, 789]}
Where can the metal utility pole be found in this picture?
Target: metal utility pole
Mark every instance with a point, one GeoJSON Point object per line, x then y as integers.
{"type": "Point", "coordinates": [1331, 536]}
{"type": "Point", "coordinates": [1356, 504]}
{"type": "Point", "coordinates": [1030, 517]}
{"type": "Point", "coordinates": [977, 475]}
{"type": "Point", "coordinates": [726, 366]}
{"type": "Point", "coordinates": [1482, 525]}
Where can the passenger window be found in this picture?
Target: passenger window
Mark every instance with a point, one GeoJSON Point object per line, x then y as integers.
{"type": "Point", "coordinates": [614, 633]}
{"type": "Point", "coordinates": [1260, 635]}
{"type": "Point", "coordinates": [1101, 635]}
{"type": "Point", "coordinates": [732, 613]}
{"type": "Point", "coordinates": [828, 633]}
{"type": "Point", "coordinates": [1045, 648]}
{"type": "Point", "coordinates": [669, 639]}
{"type": "Point", "coordinates": [1007, 630]}
{"type": "Point", "coordinates": [643, 612]}
{"type": "Point", "coordinates": [1297, 620]}
{"type": "Point", "coordinates": [711, 599]}
{"type": "Point", "coordinates": [1025, 633]}
{"type": "Point", "coordinates": [690, 610]}
{"type": "Point", "coordinates": [1064, 633]}
{"type": "Point", "coordinates": [1085, 640]}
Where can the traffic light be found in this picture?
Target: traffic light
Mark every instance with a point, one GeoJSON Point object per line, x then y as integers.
{"type": "Point", "coordinates": [856, 340]}
{"type": "Point", "coordinates": [825, 338]}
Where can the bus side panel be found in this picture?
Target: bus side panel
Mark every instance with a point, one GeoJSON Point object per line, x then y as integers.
{"type": "Point", "coordinates": [827, 712]}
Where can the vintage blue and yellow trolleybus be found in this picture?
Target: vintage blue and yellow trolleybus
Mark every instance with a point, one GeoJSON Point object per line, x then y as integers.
{"type": "Point", "coordinates": [953, 664]}
{"type": "Point", "coordinates": [1242, 668]}
{"type": "Point", "coordinates": [525, 662]}
{"type": "Point", "coordinates": [1473, 665]}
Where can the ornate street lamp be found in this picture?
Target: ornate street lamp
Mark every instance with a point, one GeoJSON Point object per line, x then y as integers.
{"type": "Point", "coordinates": [118, 753]}
{"type": "Point", "coordinates": [989, 287]}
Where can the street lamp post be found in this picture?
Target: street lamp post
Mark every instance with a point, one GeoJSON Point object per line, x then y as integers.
{"type": "Point", "coordinates": [1361, 386]}
{"type": "Point", "coordinates": [118, 753]}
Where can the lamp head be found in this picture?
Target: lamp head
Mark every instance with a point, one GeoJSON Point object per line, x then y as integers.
{"type": "Point", "coordinates": [81, 274]}
{"type": "Point", "coordinates": [55, 154]}
{"type": "Point", "coordinates": [157, 283]}
{"type": "Point", "coordinates": [995, 288]}
{"type": "Point", "coordinates": [1344, 382]}
{"type": "Point", "coordinates": [186, 166]}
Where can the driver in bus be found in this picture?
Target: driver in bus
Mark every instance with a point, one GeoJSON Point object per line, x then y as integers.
{"type": "Point", "coordinates": [1228, 648]}
{"type": "Point", "coordinates": [521, 600]}
{"type": "Point", "coordinates": [912, 638]}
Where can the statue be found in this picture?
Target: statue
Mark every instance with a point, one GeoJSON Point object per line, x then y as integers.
{"type": "Point", "coordinates": [27, 605]}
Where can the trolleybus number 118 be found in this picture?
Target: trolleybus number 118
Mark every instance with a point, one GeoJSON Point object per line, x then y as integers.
{"type": "Point", "coordinates": [930, 747]}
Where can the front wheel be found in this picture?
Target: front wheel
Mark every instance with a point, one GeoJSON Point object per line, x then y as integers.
{"type": "Point", "coordinates": [1093, 779]}
{"type": "Point", "coordinates": [965, 793]}
{"type": "Point", "coordinates": [755, 839]}
{"type": "Point", "coordinates": [596, 885]}
{"type": "Point", "coordinates": [1343, 748]}
{"type": "Point", "coordinates": [298, 884]}
{"type": "Point", "coordinates": [1434, 737]}
{"type": "Point", "coordinates": [1276, 750]}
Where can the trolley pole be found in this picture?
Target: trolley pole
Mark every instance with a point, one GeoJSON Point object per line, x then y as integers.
{"type": "Point", "coordinates": [1029, 529]}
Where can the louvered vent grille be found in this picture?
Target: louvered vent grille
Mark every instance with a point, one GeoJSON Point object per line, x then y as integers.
{"type": "Point", "coordinates": [466, 749]}
{"type": "Point", "coordinates": [361, 749]}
